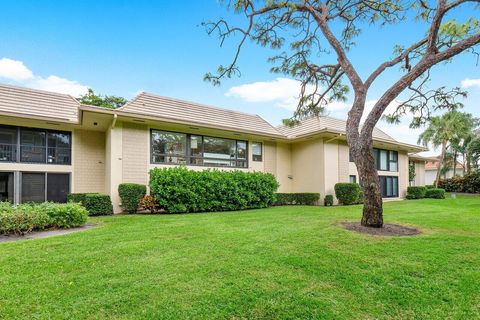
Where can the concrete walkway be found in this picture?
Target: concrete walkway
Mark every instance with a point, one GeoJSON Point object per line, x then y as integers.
{"type": "Point", "coordinates": [44, 234]}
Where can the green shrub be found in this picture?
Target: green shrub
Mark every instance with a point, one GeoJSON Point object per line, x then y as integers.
{"type": "Point", "coordinates": [76, 197]}
{"type": "Point", "coordinates": [178, 189]}
{"type": "Point", "coordinates": [302, 198]}
{"type": "Point", "coordinates": [471, 182]}
{"type": "Point", "coordinates": [65, 215]}
{"type": "Point", "coordinates": [328, 201]}
{"type": "Point", "coordinates": [430, 186]}
{"type": "Point", "coordinates": [416, 192]}
{"type": "Point", "coordinates": [28, 217]}
{"type": "Point", "coordinates": [347, 193]}
{"type": "Point", "coordinates": [435, 193]}
{"type": "Point", "coordinates": [131, 194]}
{"type": "Point", "coordinates": [98, 204]}
{"type": "Point", "coordinates": [360, 199]}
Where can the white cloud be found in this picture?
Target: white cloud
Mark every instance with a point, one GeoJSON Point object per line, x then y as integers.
{"type": "Point", "coordinates": [16, 72]}
{"type": "Point", "coordinates": [282, 92]}
{"type": "Point", "coordinates": [468, 83]}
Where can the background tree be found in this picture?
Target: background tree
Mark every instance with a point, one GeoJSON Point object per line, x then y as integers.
{"type": "Point", "coordinates": [442, 130]}
{"type": "Point", "coordinates": [313, 38]}
{"type": "Point", "coordinates": [109, 102]}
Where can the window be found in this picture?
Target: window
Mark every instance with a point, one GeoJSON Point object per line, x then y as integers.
{"type": "Point", "coordinates": [353, 179]}
{"type": "Point", "coordinates": [388, 186]}
{"type": "Point", "coordinates": [8, 143]}
{"type": "Point", "coordinates": [58, 187]}
{"type": "Point", "coordinates": [33, 187]}
{"type": "Point", "coordinates": [58, 148]}
{"type": "Point", "coordinates": [385, 160]}
{"type": "Point", "coordinates": [41, 186]}
{"type": "Point", "coordinates": [350, 155]}
{"type": "Point", "coordinates": [18, 144]}
{"type": "Point", "coordinates": [180, 148]}
{"type": "Point", "coordinates": [6, 187]}
{"type": "Point", "coordinates": [257, 151]}
{"type": "Point", "coordinates": [168, 147]}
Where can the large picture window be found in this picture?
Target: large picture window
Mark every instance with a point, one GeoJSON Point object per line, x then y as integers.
{"type": "Point", "coordinates": [180, 148]}
{"type": "Point", "coordinates": [18, 144]}
{"type": "Point", "coordinates": [389, 186]}
{"type": "Point", "coordinates": [40, 187]}
{"type": "Point", "coordinates": [386, 160]}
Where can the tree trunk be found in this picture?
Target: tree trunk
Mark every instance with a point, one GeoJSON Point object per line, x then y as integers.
{"type": "Point", "coordinates": [440, 162]}
{"type": "Point", "coordinates": [455, 163]}
{"type": "Point", "coordinates": [372, 198]}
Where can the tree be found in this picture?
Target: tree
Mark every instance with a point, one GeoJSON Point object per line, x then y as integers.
{"type": "Point", "coordinates": [109, 102]}
{"type": "Point", "coordinates": [443, 130]}
{"type": "Point", "coordinates": [308, 31]}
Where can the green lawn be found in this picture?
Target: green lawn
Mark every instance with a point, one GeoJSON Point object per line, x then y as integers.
{"type": "Point", "coordinates": [284, 262]}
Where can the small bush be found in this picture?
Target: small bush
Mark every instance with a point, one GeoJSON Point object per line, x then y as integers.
{"type": "Point", "coordinates": [76, 197]}
{"type": "Point", "coordinates": [435, 193]}
{"type": "Point", "coordinates": [149, 203]}
{"type": "Point", "coordinates": [131, 194]}
{"type": "Point", "coordinates": [303, 198]}
{"type": "Point", "coordinates": [430, 186]}
{"type": "Point", "coordinates": [347, 193]}
{"type": "Point", "coordinates": [328, 201]}
{"type": "Point", "coordinates": [360, 199]}
{"type": "Point", "coordinates": [98, 204]}
{"type": "Point", "coordinates": [181, 190]}
{"type": "Point", "coordinates": [416, 192]}
{"type": "Point", "coordinates": [28, 217]}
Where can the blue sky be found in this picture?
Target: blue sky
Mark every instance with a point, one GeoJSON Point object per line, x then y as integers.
{"type": "Point", "coordinates": [123, 47]}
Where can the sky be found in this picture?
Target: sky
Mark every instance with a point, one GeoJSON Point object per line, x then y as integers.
{"type": "Point", "coordinates": [125, 47]}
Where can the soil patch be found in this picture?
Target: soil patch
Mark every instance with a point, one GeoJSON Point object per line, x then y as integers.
{"type": "Point", "coordinates": [44, 233]}
{"type": "Point", "coordinates": [388, 230]}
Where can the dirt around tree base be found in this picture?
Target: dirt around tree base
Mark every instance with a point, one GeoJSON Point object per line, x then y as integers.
{"type": "Point", "coordinates": [388, 230]}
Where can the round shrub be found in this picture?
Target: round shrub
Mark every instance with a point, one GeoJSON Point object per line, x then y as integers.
{"type": "Point", "coordinates": [65, 215]}
{"type": "Point", "coordinates": [328, 201]}
{"type": "Point", "coordinates": [435, 193]}
{"type": "Point", "coordinates": [131, 194]}
{"type": "Point", "coordinates": [416, 192]}
{"type": "Point", "coordinates": [347, 193]}
{"type": "Point", "coordinates": [98, 204]}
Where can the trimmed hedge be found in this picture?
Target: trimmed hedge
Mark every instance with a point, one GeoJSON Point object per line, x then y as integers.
{"type": "Point", "coordinates": [469, 183]}
{"type": "Point", "coordinates": [435, 193]}
{"type": "Point", "coordinates": [28, 217]}
{"type": "Point", "coordinates": [131, 194]}
{"type": "Point", "coordinates": [95, 203]}
{"type": "Point", "coordinates": [328, 200]}
{"type": "Point", "coordinates": [179, 190]}
{"type": "Point", "coordinates": [347, 193]}
{"type": "Point", "coordinates": [416, 192]}
{"type": "Point", "coordinates": [302, 198]}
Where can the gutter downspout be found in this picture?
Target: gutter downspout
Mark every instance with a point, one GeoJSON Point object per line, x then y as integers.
{"type": "Point", "coordinates": [114, 121]}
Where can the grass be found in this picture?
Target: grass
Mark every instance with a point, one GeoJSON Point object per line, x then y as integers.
{"type": "Point", "coordinates": [283, 262]}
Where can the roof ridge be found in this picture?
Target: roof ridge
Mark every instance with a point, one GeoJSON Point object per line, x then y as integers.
{"type": "Point", "coordinates": [40, 91]}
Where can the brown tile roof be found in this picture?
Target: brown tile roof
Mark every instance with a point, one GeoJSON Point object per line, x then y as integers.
{"type": "Point", "coordinates": [191, 112]}
{"type": "Point", "coordinates": [315, 124]}
{"type": "Point", "coordinates": [23, 102]}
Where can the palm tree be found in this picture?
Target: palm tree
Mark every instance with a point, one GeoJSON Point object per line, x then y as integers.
{"type": "Point", "coordinates": [442, 130]}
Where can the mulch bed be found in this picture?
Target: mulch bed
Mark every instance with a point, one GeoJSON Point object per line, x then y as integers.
{"type": "Point", "coordinates": [44, 234]}
{"type": "Point", "coordinates": [388, 230]}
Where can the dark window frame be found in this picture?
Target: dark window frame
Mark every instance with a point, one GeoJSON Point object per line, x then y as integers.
{"type": "Point", "coordinates": [18, 145]}
{"type": "Point", "coordinates": [384, 180]}
{"type": "Point", "coordinates": [45, 183]}
{"type": "Point", "coordinates": [392, 157]}
{"type": "Point", "coordinates": [189, 157]}
{"type": "Point", "coordinates": [354, 178]}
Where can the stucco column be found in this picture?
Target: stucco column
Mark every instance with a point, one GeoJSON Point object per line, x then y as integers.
{"type": "Point", "coordinates": [113, 170]}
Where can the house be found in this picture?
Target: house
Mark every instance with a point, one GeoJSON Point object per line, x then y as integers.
{"type": "Point", "coordinates": [51, 145]}
{"type": "Point", "coordinates": [431, 169]}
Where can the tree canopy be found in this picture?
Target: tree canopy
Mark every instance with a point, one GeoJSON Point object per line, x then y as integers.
{"type": "Point", "coordinates": [94, 99]}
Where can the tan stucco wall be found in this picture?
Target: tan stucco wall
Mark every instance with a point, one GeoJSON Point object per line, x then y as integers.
{"type": "Point", "coordinates": [135, 153]}
{"type": "Point", "coordinates": [284, 167]}
{"type": "Point", "coordinates": [89, 161]}
{"type": "Point", "coordinates": [402, 174]}
{"type": "Point", "coordinates": [307, 166]}
{"type": "Point", "coordinates": [113, 162]}
{"type": "Point", "coordinates": [270, 157]}
{"type": "Point", "coordinates": [343, 163]}
{"type": "Point", "coordinates": [420, 173]}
